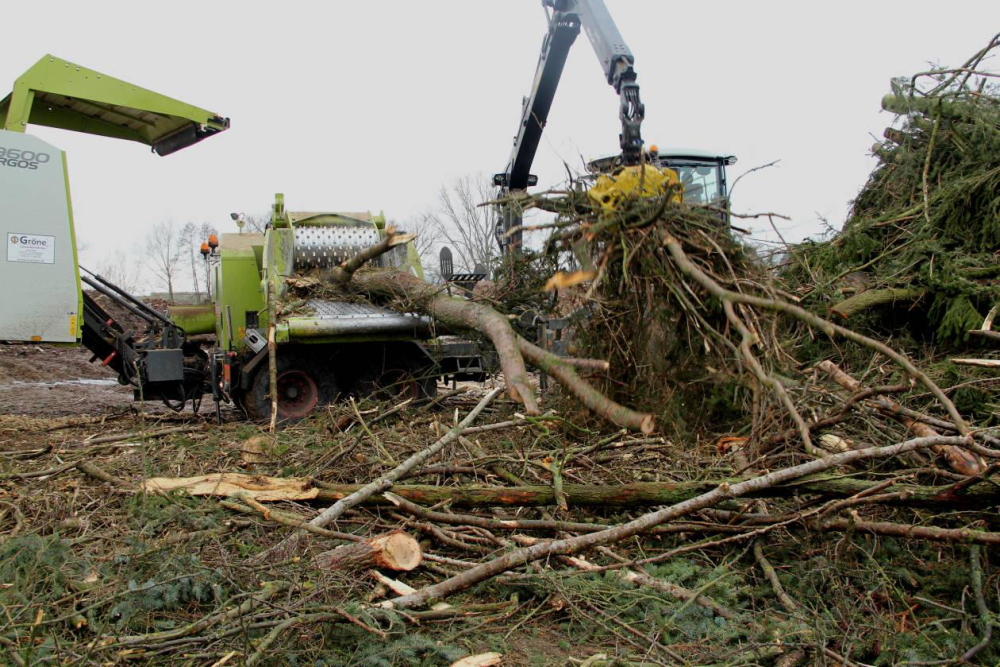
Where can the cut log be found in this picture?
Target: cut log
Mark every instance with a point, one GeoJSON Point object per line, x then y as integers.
{"type": "Point", "coordinates": [645, 494]}
{"type": "Point", "coordinates": [395, 551]}
{"type": "Point", "coordinates": [639, 494]}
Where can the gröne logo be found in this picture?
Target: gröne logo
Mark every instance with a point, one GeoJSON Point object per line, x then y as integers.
{"type": "Point", "coordinates": [27, 240]}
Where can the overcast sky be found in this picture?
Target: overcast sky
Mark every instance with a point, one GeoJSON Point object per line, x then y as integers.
{"type": "Point", "coordinates": [374, 105]}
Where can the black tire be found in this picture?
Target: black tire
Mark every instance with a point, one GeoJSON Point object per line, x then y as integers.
{"type": "Point", "coordinates": [292, 368]}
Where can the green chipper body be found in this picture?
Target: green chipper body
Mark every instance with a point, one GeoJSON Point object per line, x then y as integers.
{"type": "Point", "coordinates": [326, 347]}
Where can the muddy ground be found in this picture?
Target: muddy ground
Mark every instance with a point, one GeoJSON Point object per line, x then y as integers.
{"type": "Point", "coordinates": [51, 381]}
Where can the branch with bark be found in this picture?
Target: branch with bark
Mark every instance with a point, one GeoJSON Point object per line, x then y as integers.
{"type": "Point", "coordinates": [722, 492]}
{"type": "Point", "coordinates": [457, 313]}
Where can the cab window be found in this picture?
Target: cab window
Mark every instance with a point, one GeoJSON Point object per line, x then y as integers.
{"type": "Point", "coordinates": [701, 181]}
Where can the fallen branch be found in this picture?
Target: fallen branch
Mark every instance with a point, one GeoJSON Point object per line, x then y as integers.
{"type": "Point", "coordinates": [458, 313]}
{"type": "Point", "coordinates": [874, 297]}
{"type": "Point", "coordinates": [960, 460]}
{"type": "Point", "coordinates": [642, 579]}
{"type": "Point", "coordinates": [597, 402]}
{"type": "Point", "coordinates": [253, 507]}
{"type": "Point", "coordinates": [343, 273]}
{"type": "Point", "coordinates": [886, 528]}
{"type": "Point", "coordinates": [142, 435]}
{"type": "Point", "coordinates": [718, 494]}
{"type": "Point", "coordinates": [286, 547]}
{"type": "Point", "coordinates": [978, 363]}
{"type": "Point", "coordinates": [492, 523]}
{"type": "Point", "coordinates": [983, 611]}
{"type": "Point", "coordinates": [95, 471]}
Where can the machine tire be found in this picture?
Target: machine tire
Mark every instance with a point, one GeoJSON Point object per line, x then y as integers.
{"type": "Point", "coordinates": [296, 379]}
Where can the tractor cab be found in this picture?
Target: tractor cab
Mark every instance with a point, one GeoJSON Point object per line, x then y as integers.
{"type": "Point", "coordinates": [702, 173]}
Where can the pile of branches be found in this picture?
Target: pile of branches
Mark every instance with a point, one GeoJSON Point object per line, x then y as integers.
{"type": "Point", "coordinates": [923, 233]}
{"type": "Point", "coordinates": [498, 534]}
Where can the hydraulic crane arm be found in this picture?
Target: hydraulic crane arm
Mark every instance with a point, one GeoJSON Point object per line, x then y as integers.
{"type": "Point", "coordinates": [617, 61]}
{"type": "Point", "coordinates": [563, 29]}
{"type": "Point", "coordinates": [565, 21]}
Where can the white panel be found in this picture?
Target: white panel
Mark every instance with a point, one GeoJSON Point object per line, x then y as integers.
{"type": "Point", "coordinates": [38, 272]}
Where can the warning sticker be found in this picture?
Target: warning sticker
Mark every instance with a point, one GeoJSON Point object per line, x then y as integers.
{"type": "Point", "coordinates": [31, 248]}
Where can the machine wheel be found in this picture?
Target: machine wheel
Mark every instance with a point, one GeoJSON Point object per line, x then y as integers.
{"type": "Point", "coordinates": [299, 391]}
{"type": "Point", "coordinates": [298, 394]}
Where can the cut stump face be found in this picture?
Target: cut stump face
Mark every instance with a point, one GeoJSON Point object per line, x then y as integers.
{"type": "Point", "coordinates": [399, 552]}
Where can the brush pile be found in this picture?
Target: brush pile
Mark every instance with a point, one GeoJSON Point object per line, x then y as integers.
{"type": "Point", "coordinates": [921, 241]}
{"type": "Point", "coordinates": [816, 490]}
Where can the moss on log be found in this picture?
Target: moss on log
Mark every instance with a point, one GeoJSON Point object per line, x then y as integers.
{"type": "Point", "coordinates": [875, 297]}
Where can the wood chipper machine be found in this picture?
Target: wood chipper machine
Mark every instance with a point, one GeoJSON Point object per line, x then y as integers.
{"type": "Point", "coordinates": [327, 346]}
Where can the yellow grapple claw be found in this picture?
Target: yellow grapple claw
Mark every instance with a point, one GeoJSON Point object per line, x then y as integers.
{"type": "Point", "coordinates": [637, 181]}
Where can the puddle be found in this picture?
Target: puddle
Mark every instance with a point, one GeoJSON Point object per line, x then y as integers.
{"type": "Point", "coordinates": [63, 383]}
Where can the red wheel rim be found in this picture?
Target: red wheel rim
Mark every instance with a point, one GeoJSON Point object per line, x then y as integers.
{"type": "Point", "coordinates": [297, 394]}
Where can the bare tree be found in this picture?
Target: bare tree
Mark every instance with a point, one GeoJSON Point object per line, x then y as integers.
{"type": "Point", "coordinates": [467, 225]}
{"type": "Point", "coordinates": [426, 243]}
{"type": "Point", "coordinates": [122, 269]}
{"type": "Point", "coordinates": [204, 232]}
{"type": "Point", "coordinates": [162, 254]}
{"type": "Point", "coordinates": [256, 223]}
{"type": "Point", "coordinates": [187, 241]}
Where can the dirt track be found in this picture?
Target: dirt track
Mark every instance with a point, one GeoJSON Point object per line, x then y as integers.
{"type": "Point", "coordinates": [52, 381]}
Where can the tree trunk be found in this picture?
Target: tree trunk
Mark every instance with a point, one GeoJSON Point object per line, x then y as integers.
{"type": "Point", "coordinates": [411, 293]}
{"type": "Point", "coordinates": [393, 551]}
{"type": "Point", "coordinates": [644, 494]}
{"type": "Point", "coordinates": [194, 278]}
{"type": "Point", "coordinates": [461, 314]}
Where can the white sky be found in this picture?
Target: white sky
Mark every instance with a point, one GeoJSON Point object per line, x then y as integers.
{"type": "Point", "coordinates": [373, 105]}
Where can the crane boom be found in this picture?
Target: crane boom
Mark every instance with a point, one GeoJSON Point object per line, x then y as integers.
{"type": "Point", "coordinates": [565, 21]}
